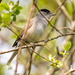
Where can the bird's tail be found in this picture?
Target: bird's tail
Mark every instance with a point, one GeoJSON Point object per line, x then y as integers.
{"type": "Point", "coordinates": [12, 57]}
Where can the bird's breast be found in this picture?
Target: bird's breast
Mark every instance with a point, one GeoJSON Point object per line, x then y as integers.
{"type": "Point", "coordinates": [35, 32]}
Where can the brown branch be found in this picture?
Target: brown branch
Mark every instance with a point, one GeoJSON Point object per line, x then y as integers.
{"type": "Point", "coordinates": [60, 36]}
{"type": "Point", "coordinates": [24, 33]}
{"type": "Point", "coordinates": [12, 31]}
{"type": "Point", "coordinates": [64, 11]}
{"type": "Point", "coordinates": [26, 46]}
{"type": "Point", "coordinates": [30, 63]}
{"type": "Point", "coordinates": [58, 9]}
{"type": "Point", "coordinates": [16, 49]}
{"type": "Point", "coordinates": [14, 25]}
{"type": "Point", "coordinates": [31, 53]}
{"type": "Point", "coordinates": [0, 1]}
{"type": "Point", "coordinates": [18, 56]}
{"type": "Point", "coordinates": [67, 28]}
{"type": "Point", "coordinates": [38, 44]}
{"type": "Point", "coordinates": [60, 5]}
{"type": "Point", "coordinates": [70, 71]}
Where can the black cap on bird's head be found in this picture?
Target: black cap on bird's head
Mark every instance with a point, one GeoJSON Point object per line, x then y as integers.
{"type": "Point", "coordinates": [47, 11]}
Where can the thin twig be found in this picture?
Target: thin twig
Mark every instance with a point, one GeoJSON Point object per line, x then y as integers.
{"type": "Point", "coordinates": [64, 11]}
{"type": "Point", "coordinates": [61, 36]}
{"type": "Point", "coordinates": [58, 9]}
{"type": "Point", "coordinates": [12, 31]}
{"type": "Point", "coordinates": [18, 56]}
{"type": "Point", "coordinates": [30, 63]}
{"type": "Point", "coordinates": [14, 25]}
{"type": "Point", "coordinates": [67, 28]}
{"type": "Point", "coordinates": [70, 71]}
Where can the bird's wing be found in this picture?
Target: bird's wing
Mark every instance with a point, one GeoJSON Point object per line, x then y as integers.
{"type": "Point", "coordinates": [21, 33]}
{"type": "Point", "coordinates": [17, 40]}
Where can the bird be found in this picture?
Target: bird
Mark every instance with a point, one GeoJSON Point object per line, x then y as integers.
{"type": "Point", "coordinates": [35, 31]}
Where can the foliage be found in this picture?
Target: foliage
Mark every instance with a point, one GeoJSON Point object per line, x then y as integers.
{"type": "Point", "coordinates": [8, 13]}
{"type": "Point", "coordinates": [66, 48]}
{"type": "Point", "coordinates": [55, 63]}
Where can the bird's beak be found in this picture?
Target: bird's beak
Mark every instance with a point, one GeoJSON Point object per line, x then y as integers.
{"type": "Point", "coordinates": [53, 14]}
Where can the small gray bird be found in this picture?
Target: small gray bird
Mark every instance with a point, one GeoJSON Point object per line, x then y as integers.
{"type": "Point", "coordinates": [37, 27]}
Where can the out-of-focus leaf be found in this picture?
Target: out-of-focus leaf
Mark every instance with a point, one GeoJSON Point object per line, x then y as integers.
{"type": "Point", "coordinates": [6, 17]}
{"type": "Point", "coordinates": [17, 12]}
{"type": "Point", "coordinates": [62, 46]}
{"type": "Point", "coordinates": [60, 64]}
{"type": "Point", "coordinates": [67, 53]}
{"type": "Point", "coordinates": [1, 8]}
{"type": "Point", "coordinates": [4, 25]}
{"type": "Point", "coordinates": [14, 18]}
{"type": "Point", "coordinates": [5, 6]}
{"type": "Point", "coordinates": [15, 6]}
{"type": "Point", "coordinates": [19, 7]}
{"type": "Point", "coordinates": [11, 2]}
{"type": "Point", "coordinates": [67, 46]}
{"type": "Point", "coordinates": [0, 29]}
{"type": "Point", "coordinates": [61, 53]}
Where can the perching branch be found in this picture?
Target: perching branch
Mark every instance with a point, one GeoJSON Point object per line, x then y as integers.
{"type": "Point", "coordinates": [38, 44]}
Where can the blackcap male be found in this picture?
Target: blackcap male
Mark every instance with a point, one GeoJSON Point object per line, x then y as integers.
{"type": "Point", "coordinates": [37, 27]}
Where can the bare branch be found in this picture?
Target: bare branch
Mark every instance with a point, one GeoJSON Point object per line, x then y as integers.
{"type": "Point", "coordinates": [64, 11]}
{"type": "Point", "coordinates": [70, 71]}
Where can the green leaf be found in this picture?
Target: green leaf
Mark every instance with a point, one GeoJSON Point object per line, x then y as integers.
{"type": "Point", "coordinates": [11, 3]}
{"type": "Point", "coordinates": [15, 6]}
{"type": "Point", "coordinates": [61, 53]}
{"type": "Point", "coordinates": [14, 18]}
{"type": "Point", "coordinates": [53, 64]}
{"type": "Point", "coordinates": [5, 6]}
{"type": "Point", "coordinates": [66, 53]}
{"type": "Point", "coordinates": [60, 64]}
{"type": "Point", "coordinates": [67, 46]}
{"type": "Point", "coordinates": [17, 12]}
{"type": "Point", "coordinates": [19, 7]}
{"type": "Point", "coordinates": [1, 8]}
{"type": "Point", "coordinates": [62, 46]}
{"type": "Point", "coordinates": [6, 17]}
{"type": "Point", "coordinates": [4, 25]}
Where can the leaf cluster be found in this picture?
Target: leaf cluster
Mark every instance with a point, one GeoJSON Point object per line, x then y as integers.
{"type": "Point", "coordinates": [8, 13]}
